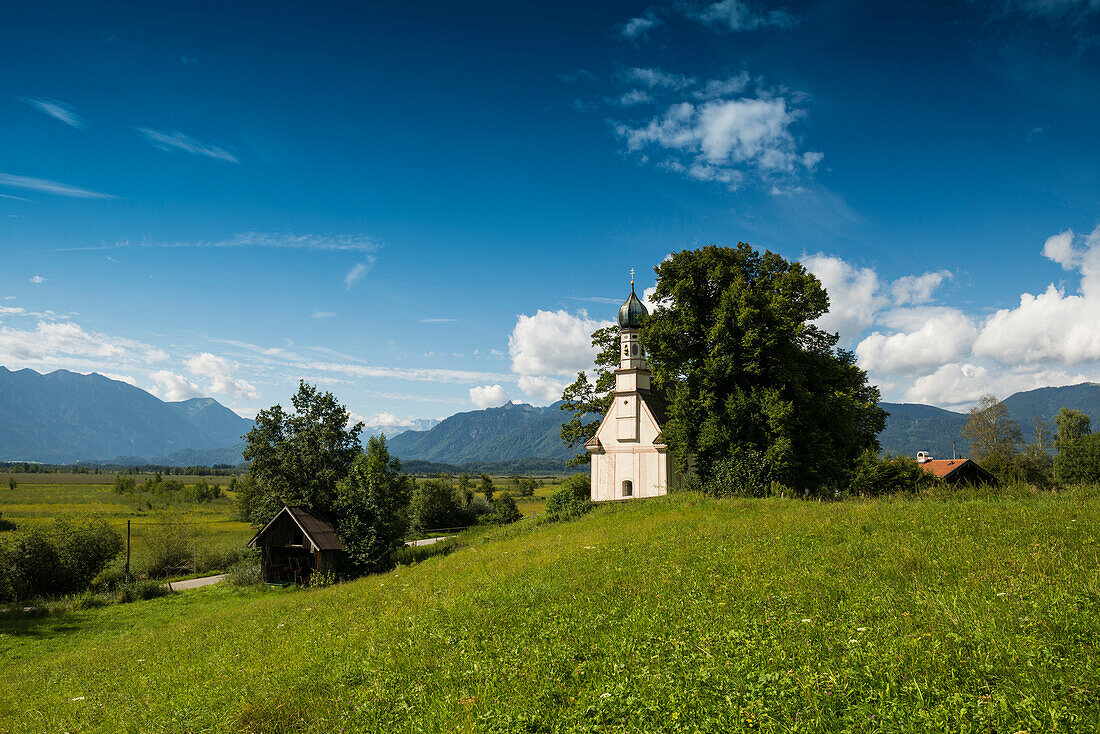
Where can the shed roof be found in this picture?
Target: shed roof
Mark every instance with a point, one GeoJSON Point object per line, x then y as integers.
{"type": "Point", "coordinates": [944, 468]}
{"type": "Point", "coordinates": [320, 533]}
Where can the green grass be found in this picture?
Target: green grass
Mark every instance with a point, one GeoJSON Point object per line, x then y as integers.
{"type": "Point", "coordinates": [679, 614]}
{"type": "Point", "coordinates": [211, 531]}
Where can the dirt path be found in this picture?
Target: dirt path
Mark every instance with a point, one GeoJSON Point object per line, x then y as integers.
{"type": "Point", "coordinates": [195, 583]}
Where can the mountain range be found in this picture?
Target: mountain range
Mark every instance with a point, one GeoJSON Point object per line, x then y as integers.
{"type": "Point", "coordinates": [64, 417]}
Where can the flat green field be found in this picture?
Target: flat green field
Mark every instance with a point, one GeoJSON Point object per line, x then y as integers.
{"type": "Point", "coordinates": [207, 526]}
{"type": "Point", "coordinates": [679, 614]}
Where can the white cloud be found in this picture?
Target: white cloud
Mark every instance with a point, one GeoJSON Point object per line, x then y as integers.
{"type": "Point", "coordinates": [543, 388]}
{"type": "Point", "coordinates": [217, 372]}
{"type": "Point", "coordinates": [635, 96]}
{"type": "Point", "coordinates": [738, 15]}
{"type": "Point", "coordinates": [272, 240]}
{"type": "Point", "coordinates": [943, 338]}
{"type": "Point", "coordinates": [854, 295]}
{"type": "Point", "coordinates": [917, 289]}
{"type": "Point", "coordinates": [959, 385]}
{"type": "Point", "coordinates": [724, 87]}
{"type": "Point", "coordinates": [49, 187]}
{"type": "Point", "coordinates": [128, 379]}
{"type": "Point", "coordinates": [37, 279]}
{"type": "Point", "coordinates": [489, 396]}
{"type": "Point", "coordinates": [658, 79]}
{"type": "Point", "coordinates": [553, 343]}
{"type": "Point", "coordinates": [357, 272]}
{"type": "Point", "coordinates": [323, 315]}
{"type": "Point", "coordinates": [1059, 248]}
{"type": "Point", "coordinates": [156, 355]}
{"type": "Point", "coordinates": [639, 27]}
{"type": "Point", "coordinates": [722, 136]}
{"type": "Point", "coordinates": [51, 340]}
{"type": "Point", "coordinates": [57, 110]}
{"type": "Point", "coordinates": [175, 140]}
{"type": "Point", "coordinates": [172, 387]}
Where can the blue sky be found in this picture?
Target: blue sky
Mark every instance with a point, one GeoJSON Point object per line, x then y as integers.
{"type": "Point", "coordinates": [426, 210]}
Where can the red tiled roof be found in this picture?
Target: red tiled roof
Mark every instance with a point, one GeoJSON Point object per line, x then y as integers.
{"type": "Point", "coordinates": [943, 468]}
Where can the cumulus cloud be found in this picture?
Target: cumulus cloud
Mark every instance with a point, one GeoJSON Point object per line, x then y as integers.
{"type": "Point", "coordinates": [553, 343]}
{"type": "Point", "coordinates": [855, 296]}
{"type": "Point", "coordinates": [918, 289]}
{"type": "Point", "coordinates": [57, 110]}
{"type": "Point", "coordinates": [53, 340]}
{"type": "Point", "coordinates": [174, 140]}
{"type": "Point", "coordinates": [489, 396]}
{"type": "Point", "coordinates": [543, 388]}
{"type": "Point", "coordinates": [217, 372]}
{"type": "Point", "coordinates": [639, 27]}
{"type": "Point", "coordinates": [945, 337]}
{"type": "Point", "coordinates": [172, 387]}
{"type": "Point", "coordinates": [738, 15]}
{"type": "Point", "coordinates": [717, 139]}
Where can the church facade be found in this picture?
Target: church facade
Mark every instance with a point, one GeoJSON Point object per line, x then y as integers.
{"type": "Point", "coordinates": [629, 457]}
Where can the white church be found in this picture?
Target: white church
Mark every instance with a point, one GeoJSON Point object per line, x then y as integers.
{"type": "Point", "coordinates": [629, 457]}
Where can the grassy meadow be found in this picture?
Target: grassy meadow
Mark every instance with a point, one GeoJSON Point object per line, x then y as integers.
{"type": "Point", "coordinates": [679, 614]}
{"type": "Point", "coordinates": [208, 527]}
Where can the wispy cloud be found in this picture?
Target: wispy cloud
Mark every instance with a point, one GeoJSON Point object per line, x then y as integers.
{"type": "Point", "coordinates": [639, 27]}
{"type": "Point", "coordinates": [273, 240]}
{"type": "Point", "coordinates": [738, 15]}
{"type": "Point", "coordinates": [49, 187]}
{"type": "Point", "coordinates": [357, 272]}
{"type": "Point", "coordinates": [37, 279]}
{"type": "Point", "coordinates": [57, 110]}
{"type": "Point", "coordinates": [437, 321]}
{"type": "Point", "coordinates": [175, 140]}
{"type": "Point", "coordinates": [17, 198]}
{"type": "Point", "coordinates": [595, 299]}
{"type": "Point", "coordinates": [323, 315]}
{"type": "Point", "coordinates": [658, 79]}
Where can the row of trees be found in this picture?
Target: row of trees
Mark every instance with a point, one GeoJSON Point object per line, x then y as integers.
{"type": "Point", "coordinates": [1066, 453]}
{"type": "Point", "coordinates": [313, 456]}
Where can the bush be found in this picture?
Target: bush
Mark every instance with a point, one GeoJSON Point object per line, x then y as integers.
{"type": "Point", "coordinates": [62, 559]}
{"type": "Point", "coordinates": [745, 474]}
{"type": "Point", "coordinates": [411, 554]}
{"type": "Point", "coordinates": [6, 524]}
{"type": "Point", "coordinates": [878, 475]}
{"type": "Point", "coordinates": [245, 573]}
{"type": "Point", "coordinates": [171, 548]}
{"type": "Point", "coordinates": [140, 590]}
{"type": "Point", "coordinates": [1078, 461]}
{"type": "Point", "coordinates": [573, 499]}
{"type": "Point", "coordinates": [504, 510]}
{"type": "Point", "coordinates": [124, 484]}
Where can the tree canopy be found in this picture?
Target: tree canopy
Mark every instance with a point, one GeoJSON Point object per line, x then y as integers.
{"type": "Point", "coordinates": [297, 458]}
{"type": "Point", "coordinates": [994, 437]}
{"type": "Point", "coordinates": [372, 507]}
{"type": "Point", "coordinates": [588, 401]}
{"type": "Point", "coordinates": [749, 377]}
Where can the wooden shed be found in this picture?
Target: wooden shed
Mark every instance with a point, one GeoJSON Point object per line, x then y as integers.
{"type": "Point", "coordinates": [294, 544]}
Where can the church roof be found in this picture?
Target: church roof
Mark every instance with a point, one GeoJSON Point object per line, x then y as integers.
{"type": "Point", "coordinates": [658, 405]}
{"type": "Point", "coordinates": [631, 312]}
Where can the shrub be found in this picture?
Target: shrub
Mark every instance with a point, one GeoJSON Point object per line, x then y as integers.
{"type": "Point", "coordinates": [6, 524]}
{"type": "Point", "coordinates": [416, 553]}
{"type": "Point", "coordinates": [245, 573]}
{"type": "Point", "coordinates": [124, 484]}
{"type": "Point", "coordinates": [504, 510]}
{"type": "Point", "coordinates": [1078, 460]}
{"type": "Point", "coordinates": [878, 475]}
{"type": "Point", "coordinates": [12, 484]}
{"type": "Point", "coordinates": [171, 548]}
{"type": "Point", "coordinates": [62, 559]}
{"type": "Point", "coordinates": [573, 499]}
{"type": "Point", "coordinates": [745, 474]}
{"type": "Point", "coordinates": [321, 579]}
{"type": "Point", "coordinates": [139, 590]}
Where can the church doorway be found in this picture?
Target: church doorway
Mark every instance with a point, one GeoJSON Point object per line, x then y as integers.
{"type": "Point", "coordinates": [628, 488]}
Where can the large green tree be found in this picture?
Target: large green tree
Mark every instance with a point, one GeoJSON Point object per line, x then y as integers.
{"type": "Point", "coordinates": [297, 458]}
{"type": "Point", "coordinates": [372, 507]}
{"type": "Point", "coordinates": [750, 378]}
{"type": "Point", "coordinates": [588, 401]}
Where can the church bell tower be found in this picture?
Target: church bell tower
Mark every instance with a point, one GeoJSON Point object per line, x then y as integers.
{"type": "Point", "coordinates": [633, 372]}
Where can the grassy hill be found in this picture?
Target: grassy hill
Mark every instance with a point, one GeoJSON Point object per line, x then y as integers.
{"type": "Point", "coordinates": [679, 614]}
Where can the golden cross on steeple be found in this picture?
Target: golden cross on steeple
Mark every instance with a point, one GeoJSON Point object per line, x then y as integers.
{"type": "Point", "coordinates": [632, 277]}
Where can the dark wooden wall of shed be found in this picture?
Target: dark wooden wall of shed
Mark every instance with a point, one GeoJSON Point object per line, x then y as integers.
{"type": "Point", "coordinates": [284, 532]}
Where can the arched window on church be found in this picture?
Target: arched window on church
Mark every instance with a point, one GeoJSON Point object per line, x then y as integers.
{"type": "Point", "coordinates": [628, 488]}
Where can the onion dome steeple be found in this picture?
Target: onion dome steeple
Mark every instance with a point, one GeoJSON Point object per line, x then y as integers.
{"type": "Point", "coordinates": [631, 312]}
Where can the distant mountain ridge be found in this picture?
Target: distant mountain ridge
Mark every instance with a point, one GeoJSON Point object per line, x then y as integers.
{"type": "Point", "coordinates": [65, 417]}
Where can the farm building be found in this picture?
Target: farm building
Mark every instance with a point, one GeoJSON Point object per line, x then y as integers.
{"type": "Point", "coordinates": [955, 471]}
{"type": "Point", "coordinates": [296, 543]}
